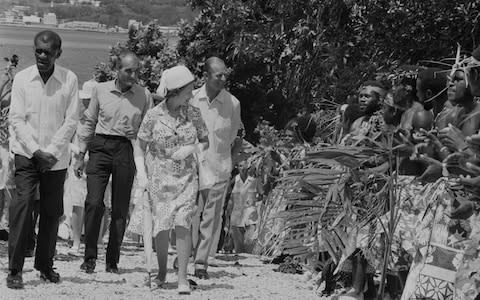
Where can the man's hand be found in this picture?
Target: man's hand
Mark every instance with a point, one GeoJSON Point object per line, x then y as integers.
{"type": "Point", "coordinates": [429, 143]}
{"type": "Point", "coordinates": [452, 138]}
{"type": "Point", "coordinates": [472, 185]}
{"type": "Point", "coordinates": [463, 209]}
{"type": "Point", "coordinates": [457, 163]}
{"type": "Point", "coordinates": [79, 165]}
{"type": "Point", "coordinates": [473, 143]}
{"type": "Point", "coordinates": [45, 160]}
{"type": "Point", "coordinates": [129, 132]}
{"type": "Point", "coordinates": [405, 147]}
{"type": "Point", "coordinates": [431, 174]}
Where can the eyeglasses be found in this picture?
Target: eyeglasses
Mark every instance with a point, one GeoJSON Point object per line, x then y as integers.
{"type": "Point", "coordinates": [364, 96]}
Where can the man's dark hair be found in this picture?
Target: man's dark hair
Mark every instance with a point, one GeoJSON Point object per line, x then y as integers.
{"type": "Point", "coordinates": [403, 97]}
{"type": "Point", "coordinates": [47, 36]}
{"type": "Point", "coordinates": [433, 79]}
{"type": "Point", "coordinates": [374, 105]}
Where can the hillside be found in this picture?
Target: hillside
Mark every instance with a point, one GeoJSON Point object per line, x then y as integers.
{"type": "Point", "coordinates": [113, 12]}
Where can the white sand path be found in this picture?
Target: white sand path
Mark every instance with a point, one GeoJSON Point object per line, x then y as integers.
{"type": "Point", "coordinates": [248, 279]}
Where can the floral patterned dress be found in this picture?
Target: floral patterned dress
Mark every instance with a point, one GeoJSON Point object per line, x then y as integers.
{"type": "Point", "coordinates": [172, 184]}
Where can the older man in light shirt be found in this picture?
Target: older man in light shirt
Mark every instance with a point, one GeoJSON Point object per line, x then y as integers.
{"type": "Point", "coordinates": [221, 113]}
{"type": "Point", "coordinates": [44, 113]}
{"type": "Point", "coordinates": [112, 120]}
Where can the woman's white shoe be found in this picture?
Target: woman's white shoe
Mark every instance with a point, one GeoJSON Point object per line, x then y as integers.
{"type": "Point", "coordinates": [184, 289]}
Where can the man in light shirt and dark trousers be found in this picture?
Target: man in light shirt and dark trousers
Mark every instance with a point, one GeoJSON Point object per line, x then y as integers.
{"type": "Point", "coordinates": [221, 112]}
{"type": "Point", "coordinates": [112, 120]}
{"type": "Point", "coordinates": [44, 113]}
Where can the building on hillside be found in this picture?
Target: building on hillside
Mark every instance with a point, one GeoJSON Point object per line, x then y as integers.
{"type": "Point", "coordinates": [9, 16]}
{"type": "Point", "coordinates": [20, 9]}
{"type": "Point", "coordinates": [82, 25]}
{"type": "Point", "coordinates": [134, 24]}
{"type": "Point", "coordinates": [31, 19]}
{"type": "Point", "coordinates": [170, 30]}
{"type": "Point", "coordinates": [95, 3]}
{"type": "Point", "coordinates": [50, 19]}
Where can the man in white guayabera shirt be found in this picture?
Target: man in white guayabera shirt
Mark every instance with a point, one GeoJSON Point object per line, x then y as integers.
{"type": "Point", "coordinates": [221, 112]}
{"type": "Point", "coordinates": [44, 113]}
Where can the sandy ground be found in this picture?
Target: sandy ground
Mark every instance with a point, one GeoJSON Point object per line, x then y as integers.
{"type": "Point", "coordinates": [248, 279]}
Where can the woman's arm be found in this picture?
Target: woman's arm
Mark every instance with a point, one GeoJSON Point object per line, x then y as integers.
{"type": "Point", "coordinates": [139, 148]}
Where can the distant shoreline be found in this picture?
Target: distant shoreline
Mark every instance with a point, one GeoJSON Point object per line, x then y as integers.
{"type": "Point", "coordinates": [43, 26]}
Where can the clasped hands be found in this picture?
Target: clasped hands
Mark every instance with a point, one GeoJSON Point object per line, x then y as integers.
{"type": "Point", "coordinates": [45, 160]}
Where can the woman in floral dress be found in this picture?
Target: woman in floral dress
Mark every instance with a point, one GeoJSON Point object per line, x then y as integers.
{"type": "Point", "coordinates": [170, 134]}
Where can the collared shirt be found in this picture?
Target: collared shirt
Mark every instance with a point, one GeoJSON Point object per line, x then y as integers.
{"type": "Point", "coordinates": [112, 112]}
{"type": "Point", "coordinates": [222, 118]}
{"type": "Point", "coordinates": [44, 115]}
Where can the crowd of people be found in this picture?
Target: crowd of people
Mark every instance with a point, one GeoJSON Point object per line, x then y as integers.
{"type": "Point", "coordinates": [434, 122]}
{"type": "Point", "coordinates": [77, 157]}
{"type": "Point", "coordinates": [73, 153]}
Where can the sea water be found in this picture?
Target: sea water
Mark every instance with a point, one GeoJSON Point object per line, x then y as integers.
{"type": "Point", "coordinates": [82, 50]}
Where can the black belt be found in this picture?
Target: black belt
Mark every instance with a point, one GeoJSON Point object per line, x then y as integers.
{"type": "Point", "coordinates": [113, 137]}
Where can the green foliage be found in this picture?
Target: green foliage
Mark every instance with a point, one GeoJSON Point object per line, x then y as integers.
{"type": "Point", "coordinates": [288, 56]}
{"type": "Point", "coordinates": [152, 49]}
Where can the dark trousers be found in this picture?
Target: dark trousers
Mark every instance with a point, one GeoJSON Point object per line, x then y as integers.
{"type": "Point", "coordinates": [31, 236]}
{"type": "Point", "coordinates": [27, 176]}
{"type": "Point", "coordinates": [108, 155]}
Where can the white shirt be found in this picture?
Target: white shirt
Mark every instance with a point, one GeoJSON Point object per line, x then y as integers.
{"type": "Point", "coordinates": [44, 115]}
{"type": "Point", "coordinates": [222, 118]}
{"type": "Point", "coordinates": [243, 197]}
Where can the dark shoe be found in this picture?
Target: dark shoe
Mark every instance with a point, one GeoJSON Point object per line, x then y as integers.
{"type": "Point", "coordinates": [111, 268]}
{"type": "Point", "coordinates": [50, 275]}
{"type": "Point", "coordinates": [88, 266]}
{"type": "Point", "coordinates": [201, 273]}
{"type": "Point", "coordinates": [15, 281]}
{"type": "Point", "coordinates": [3, 235]}
{"type": "Point", "coordinates": [29, 253]}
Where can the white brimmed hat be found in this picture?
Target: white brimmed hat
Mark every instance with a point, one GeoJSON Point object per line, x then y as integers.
{"type": "Point", "coordinates": [174, 78]}
{"type": "Point", "coordinates": [87, 87]}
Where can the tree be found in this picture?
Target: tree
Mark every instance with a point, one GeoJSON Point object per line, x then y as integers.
{"type": "Point", "coordinates": [288, 56]}
{"type": "Point", "coordinates": [151, 47]}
